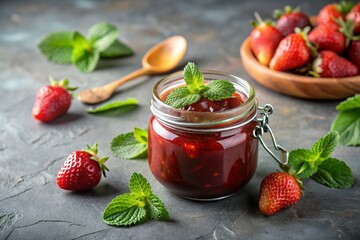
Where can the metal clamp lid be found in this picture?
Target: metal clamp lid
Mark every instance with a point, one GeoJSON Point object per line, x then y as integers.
{"type": "Point", "coordinates": [264, 127]}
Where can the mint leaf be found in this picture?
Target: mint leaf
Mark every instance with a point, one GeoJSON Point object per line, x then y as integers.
{"type": "Point", "coordinates": [193, 78]}
{"type": "Point", "coordinates": [157, 209]}
{"type": "Point", "coordinates": [181, 97]}
{"type": "Point", "coordinates": [141, 135]}
{"type": "Point", "coordinates": [137, 206]}
{"type": "Point", "coordinates": [57, 47]}
{"type": "Point", "coordinates": [334, 173]}
{"type": "Point", "coordinates": [219, 89]}
{"type": "Point", "coordinates": [79, 41]}
{"type": "Point", "coordinates": [303, 163]}
{"type": "Point", "coordinates": [83, 56]}
{"type": "Point", "coordinates": [125, 210]}
{"type": "Point", "coordinates": [350, 103]}
{"type": "Point", "coordinates": [139, 185]}
{"type": "Point", "coordinates": [102, 35]}
{"type": "Point", "coordinates": [117, 49]}
{"type": "Point", "coordinates": [347, 123]}
{"type": "Point", "coordinates": [113, 105]}
{"type": "Point", "coordinates": [126, 146]}
{"type": "Point", "coordinates": [325, 145]}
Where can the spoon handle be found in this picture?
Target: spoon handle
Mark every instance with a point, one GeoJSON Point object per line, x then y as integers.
{"type": "Point", "coordinates": [115, 84]}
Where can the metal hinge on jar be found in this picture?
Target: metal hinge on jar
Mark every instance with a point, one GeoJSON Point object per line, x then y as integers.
{"type": "Point", "coordinates": [264, 127]}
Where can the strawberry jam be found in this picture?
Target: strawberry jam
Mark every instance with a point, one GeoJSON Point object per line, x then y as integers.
{"type": "Point", "coordinates": [204, 151]}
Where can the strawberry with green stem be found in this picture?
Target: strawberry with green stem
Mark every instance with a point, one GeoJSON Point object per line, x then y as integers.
{"type": "Point", "coordinates": [282, 189]}
{"type": "Point", "coordinates": [82, 170]}
{"type": "Point", "coordinates": [289, 19]}
{"type": "Point", "coordinates": [331, 12]}
{"type": "Point", "coordinates": [264, 39]}
{"type": "Point", "coordinates": [354, 16]}
{"type": "Point", "coordinates": [52, 100]}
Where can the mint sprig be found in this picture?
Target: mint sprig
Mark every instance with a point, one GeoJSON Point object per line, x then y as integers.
{"type": "Point", "coordinates": [137, 206]}
{"type": "Point", "coordinates": [347, 122]}
{"type": "Point", "coordinates": [317, 163]}
{"type": "Point", "coordinates": [195, 88]}
{"type": "Point", "coordinates": [131, 145]}
{"type": "Point", "coordinates": [69, 47]}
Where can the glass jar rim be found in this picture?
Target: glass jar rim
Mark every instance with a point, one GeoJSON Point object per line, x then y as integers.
{"type": "Point", "coordinates": [210, 121]}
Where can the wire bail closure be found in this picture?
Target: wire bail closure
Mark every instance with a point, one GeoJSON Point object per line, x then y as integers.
{"type": "Point", "coordinates": [264, 127]}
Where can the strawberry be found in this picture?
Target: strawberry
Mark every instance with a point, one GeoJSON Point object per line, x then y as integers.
{"type": "Point", "coordinates": [333, 11]}
{"type": "Point", "coordinates": [289, 19]}
{"type": "Point", "coordinates": [264, 39]}
{"type": "Point", "coordinates": [277, 191]}
{"type": "Point", "coordinates": [329, 64]}
{"type": "Point", "coordinates": [82, 170]}
{"type": "Point", "coordinates": [353, 52]}
{"type": "Point", "coordinates": [52, 101]}
{"type": "Point", "coordinates": [354, 16]}
{"type": "Point", "coordinates": [328, 37]}
{"type": "Point", "coordinates": [293, 51]}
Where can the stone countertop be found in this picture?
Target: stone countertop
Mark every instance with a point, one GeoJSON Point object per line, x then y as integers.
{"type": "Point", "coordinates": [31, 204]}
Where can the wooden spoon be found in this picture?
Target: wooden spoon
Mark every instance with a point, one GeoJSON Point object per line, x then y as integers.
{"type": "Point", "coordinates": [161, 58]}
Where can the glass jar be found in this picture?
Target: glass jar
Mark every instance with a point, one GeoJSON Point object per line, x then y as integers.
{"type": "Point", "coordinates": [203, 155]}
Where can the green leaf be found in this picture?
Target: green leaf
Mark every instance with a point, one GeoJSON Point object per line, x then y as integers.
{"type": "Point", "coordinates": [193, 78]}
{"type": "Point", "coordinates": [126, 146]}
{"type": "Point", "coordinates": [117, 49]}
{"type": "Point", "coordinates": [102, 35]}
{"type": "Point", "coordinates": [347, 123]}
{"type": "Point", "coordinates": [125, 210]}
{"type": "Point", "coordinates": [302, 163]}
{"type": "Point", "coordinates": [219, 89]}
{"type": "Point", "coordinates": [326, 145]}
{"type": "Point", "coordinates": [334, 173]}
{"type": "Point", "coordinates": [113, 105]}
{"type": "Point", "coordinates": [139, 185]}
{"type": "Point", "coordinates": [83, 56]}
{"type": "Point", "coordinates": [57, 47]}
{"type": "Point", "coordinates": [350, 103]}
{"type": "Point", "coordinates": [141, 135]}
{"type": "Point", "coordinates": [157, 209]}
{"type": "Point", "coordinates": [181, 97]}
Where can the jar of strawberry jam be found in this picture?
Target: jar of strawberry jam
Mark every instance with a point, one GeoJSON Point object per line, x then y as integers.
{"type": "Point", "coordinates": [205, 155]}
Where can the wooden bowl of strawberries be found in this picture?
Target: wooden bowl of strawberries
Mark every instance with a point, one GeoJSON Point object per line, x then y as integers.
{"type": "Point", "coordinates": [322, 61]}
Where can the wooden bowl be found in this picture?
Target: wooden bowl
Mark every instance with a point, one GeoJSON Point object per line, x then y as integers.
{"type": "Point", "coordinates": [297, 85]}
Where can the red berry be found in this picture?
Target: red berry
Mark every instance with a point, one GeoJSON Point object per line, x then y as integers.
{"type": "Point", "coordinates": [289, 19]}
{"type": "Point", "coordinates": [328, 37]}
{"type": "Point", "coordinates": [277, 191]}
{"type": "Point", "coordinates": [52, 101]}
{"type": "Point", "coordinates": [333, 11]}
{"type": "Point", "coordinates": [291, 53]}
{"type": "Point", "coordinates": [329, 64]}
{"type": "Point", "coordinates": [353, 53]}
{"type": "Point", "coordinates": [264, 39]}
{"type": "Point", "coordinates": [354, 16]}
{"type": "Point", "coordinates": [81, 170]}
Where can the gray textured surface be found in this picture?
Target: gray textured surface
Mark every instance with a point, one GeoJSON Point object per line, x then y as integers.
{"type": "Point", "coordinates": [33, 207]}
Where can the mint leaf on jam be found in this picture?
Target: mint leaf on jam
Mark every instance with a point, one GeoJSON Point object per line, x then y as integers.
{"type": "Point", "coordinates": [131, 145]}
{"type": "Point", "coordinates": [318, 164]}
{"type": "Point", "coordinates": [347, 122]}
{"type": "Point", "coordinates": [137, 206]}
{"type": "Point", "coordinates": [69, 47]}
{"type": "Point", "coordinates": [215, 90]}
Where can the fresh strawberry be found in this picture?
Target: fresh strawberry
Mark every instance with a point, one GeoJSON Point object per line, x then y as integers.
{"type": "Point", "coordinates": [328, 37]}
{"type": "Point", "coordinates": [354, 16]}
{"type": "Point", "coordinates": [329, 64]}
{"type": "Point", "coordinates": [333, 11]}
{"type": "Point", "coordinates": [81, 170]}
{"type": "Point", "coordinates": [353, 52]}
{"type": "Point", "coordinates": [277, 191]}
{"type": "Point", "coordinates": [293, 51]}
{"type": "Point", "coordinates": [264, 39]}
{"type": "Point", "coordinates": [289, 19]}
{"type": "Point", "coordinates": [52, 101]}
